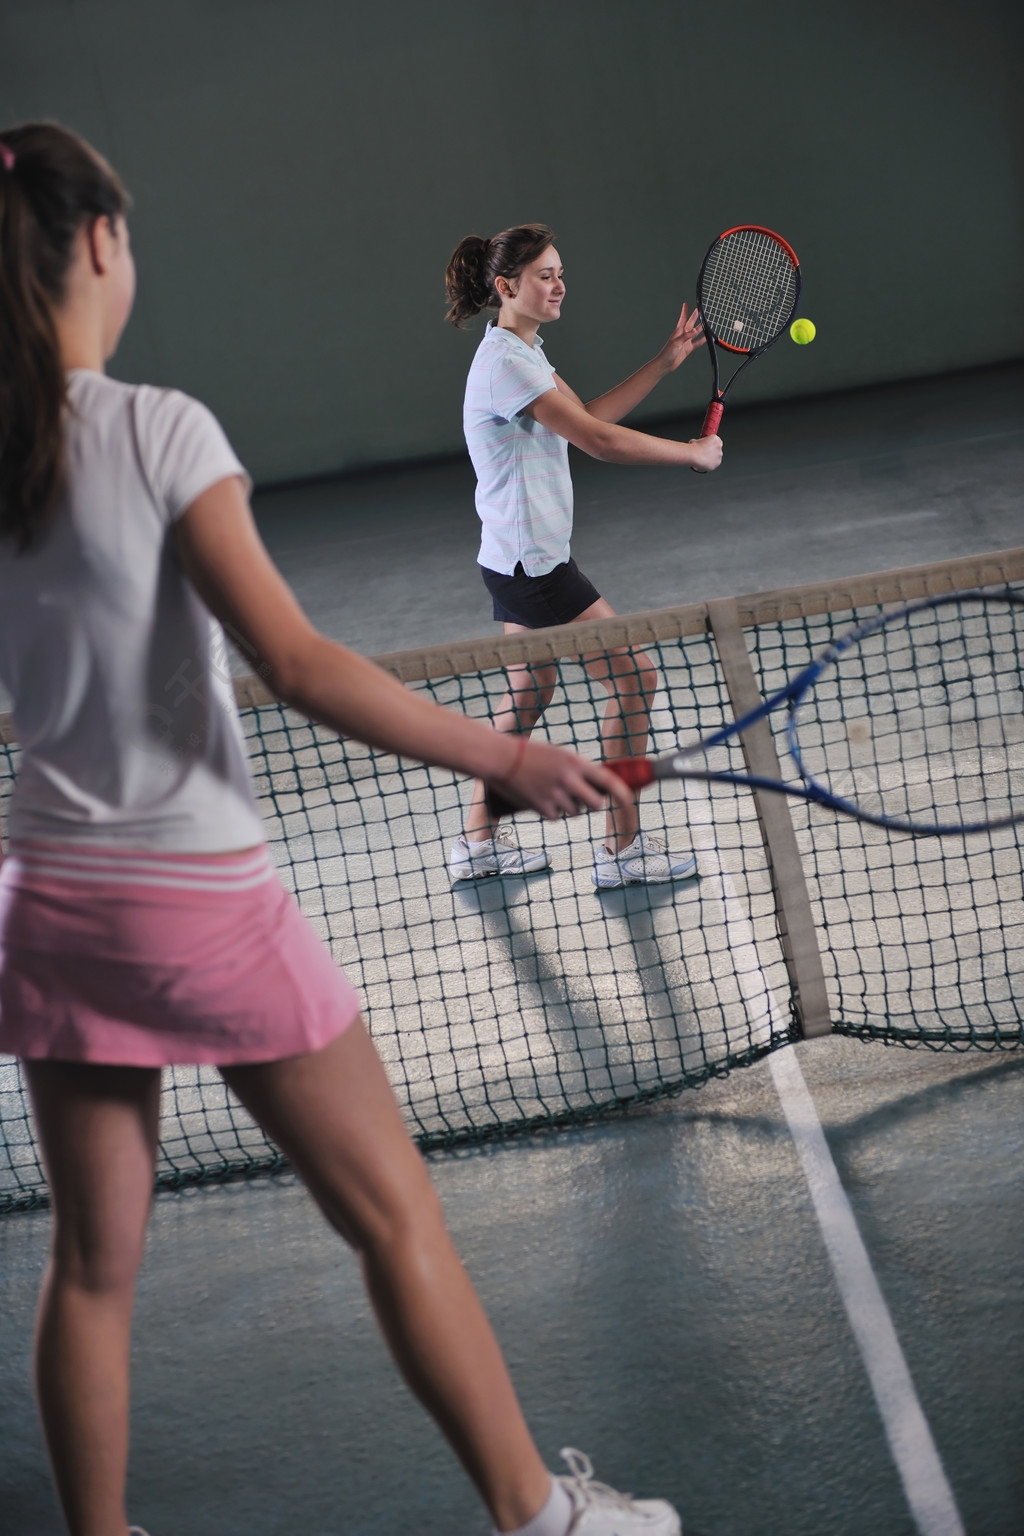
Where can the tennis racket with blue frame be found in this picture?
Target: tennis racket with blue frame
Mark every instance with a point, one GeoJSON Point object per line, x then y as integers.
{"type": "Point", "coordinates": [913, 721]}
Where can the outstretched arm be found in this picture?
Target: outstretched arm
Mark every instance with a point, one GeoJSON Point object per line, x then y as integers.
{"type": "Point", "coordinates": [618, 402]}
{"type": "Point", "coordinates": [613, 444]}
{"type": "Point", "coordinates": [224, 557]}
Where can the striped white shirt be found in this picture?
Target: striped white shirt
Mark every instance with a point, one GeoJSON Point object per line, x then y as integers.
{"type": "Point", "coordinates": [523, 490]}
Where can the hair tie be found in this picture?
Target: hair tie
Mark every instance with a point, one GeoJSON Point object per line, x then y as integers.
{"type": "Point", "coordinates": [483, 246]}
{"type": "Point", "coordinates": [7, 156]}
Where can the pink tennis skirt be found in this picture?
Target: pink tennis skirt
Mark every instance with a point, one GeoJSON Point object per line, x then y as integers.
{"type": "Point", "coordinates": [151, 959]}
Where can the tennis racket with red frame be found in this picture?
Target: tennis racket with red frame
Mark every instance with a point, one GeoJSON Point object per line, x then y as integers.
{"type": "Point", "coordinates": [747, 293]}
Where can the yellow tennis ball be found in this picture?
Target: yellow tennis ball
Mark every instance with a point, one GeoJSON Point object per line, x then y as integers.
{"type": "Point", "coordinates": [802, 331]}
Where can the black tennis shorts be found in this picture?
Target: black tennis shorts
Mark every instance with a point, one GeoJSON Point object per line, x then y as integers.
{"type": "Point", "coordinates": [557, 597]}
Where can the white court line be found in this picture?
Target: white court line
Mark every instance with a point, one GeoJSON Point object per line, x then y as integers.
{"type": "Point", "coordinates": [917, 1459]}
{"type": "Point", "coordinates": [925, 1485]}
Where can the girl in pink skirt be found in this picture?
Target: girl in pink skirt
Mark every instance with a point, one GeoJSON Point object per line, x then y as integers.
{"type": "Point", "coordinates": [141, 922]}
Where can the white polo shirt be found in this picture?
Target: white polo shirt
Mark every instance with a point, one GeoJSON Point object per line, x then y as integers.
{"type": "Point", "coordinates": [122, 696]}
{"type": "Point", "coordinates": [524, 490]}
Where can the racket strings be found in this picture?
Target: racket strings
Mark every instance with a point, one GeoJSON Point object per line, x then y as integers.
{"type": "Point", "coordinates": [924, 721]}
{"type": "Point", "coordinates": [748, 290]}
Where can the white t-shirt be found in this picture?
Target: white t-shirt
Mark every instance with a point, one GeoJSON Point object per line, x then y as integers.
{"type": "Point", "coordinates": [523, 490]}
{"type": "Point", "coordinates": [122, 697]}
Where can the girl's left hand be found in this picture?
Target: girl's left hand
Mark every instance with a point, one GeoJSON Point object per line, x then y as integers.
{"type": "Point", "coordinates": [687, 335]}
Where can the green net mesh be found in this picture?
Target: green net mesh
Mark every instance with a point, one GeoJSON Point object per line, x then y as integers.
{"type": "Point", "coordinates": [503, 1004]}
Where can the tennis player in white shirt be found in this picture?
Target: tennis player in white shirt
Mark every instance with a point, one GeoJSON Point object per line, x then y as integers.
{"type": "Point", "coordinates": [519, 419]}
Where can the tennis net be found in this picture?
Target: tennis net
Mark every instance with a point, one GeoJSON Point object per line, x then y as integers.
{"type": "Point", "coordinates": [501, 1005]}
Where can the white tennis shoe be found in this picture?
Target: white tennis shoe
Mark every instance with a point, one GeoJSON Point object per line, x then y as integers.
{"type": "Point", "coordinates": [600, 1511]}
{"type": "Point", "coordinates": [647, 861]}
{"type": "Point", "coordinates": [500, 855]}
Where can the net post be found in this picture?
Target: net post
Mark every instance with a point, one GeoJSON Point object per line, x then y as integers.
{"type": "Point", "coordinates": [789, 887]}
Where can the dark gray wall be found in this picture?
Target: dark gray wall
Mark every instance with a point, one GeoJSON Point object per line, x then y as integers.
{"type": "Point", "coordinates": [301, 172]}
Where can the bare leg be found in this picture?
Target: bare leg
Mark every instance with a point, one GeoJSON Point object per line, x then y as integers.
{"type": "Point", "coordinates": [630, 679]}
{"type": "Point", "coordinates": [98, 1130]}
{"type": "Point", "coordinates": [335, 1117]}
{"type": "Point", "coordinates": [528, 694]}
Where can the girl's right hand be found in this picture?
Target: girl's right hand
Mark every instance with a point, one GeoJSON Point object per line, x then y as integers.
{"type": "Point", "coordinates": [708, 455]}
{"type": "Point", "coordinates": [557, 782]}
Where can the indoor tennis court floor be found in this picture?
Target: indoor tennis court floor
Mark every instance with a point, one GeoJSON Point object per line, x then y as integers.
{"type": "Point", "coordinates": [787, 1334]}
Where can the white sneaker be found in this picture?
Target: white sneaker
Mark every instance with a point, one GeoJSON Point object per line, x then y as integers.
{"type": "Point", "coordinates": [500, 855]}
{"type": "Point", "coordinates": [647, 861]}
{"type": "Point", "coordinates": [599, 1511]}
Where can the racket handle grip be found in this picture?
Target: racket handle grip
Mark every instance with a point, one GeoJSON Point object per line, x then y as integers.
{"type": "Point", "coordinates": [636, 772]}
{"type": "Point", "coordinates": [712, 418]}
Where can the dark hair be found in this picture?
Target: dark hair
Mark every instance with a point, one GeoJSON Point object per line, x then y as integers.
{"type": "Point", "coordinates": [51, 184]}
{"type": "Point", "coordinates": [475, 263]}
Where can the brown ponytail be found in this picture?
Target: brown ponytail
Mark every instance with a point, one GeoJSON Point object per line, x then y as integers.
{"type": "Point", "coordinates": [475, 263]}
{"type": "Point", "coordinates": [51, 183]}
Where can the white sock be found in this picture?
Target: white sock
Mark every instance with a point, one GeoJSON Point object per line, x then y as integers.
{"type": "Point", "coordinates": [553, 1520]}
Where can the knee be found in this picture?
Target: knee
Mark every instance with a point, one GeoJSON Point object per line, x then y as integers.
{"type": "Point", "coordinates": [636, 678]}
{"type": "Point", "coordinates": [650, 679]}
{"type": "Point", "coordinates": [646, 675]}
{"type": "Point", "coordinates": [99, 1263]}
{"type": "Point", "coordinates": [403, 1229]}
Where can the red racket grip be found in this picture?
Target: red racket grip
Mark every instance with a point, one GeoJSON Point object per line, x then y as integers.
{"type": "Point", "coordinates": [637, 772]}
{"type": "Point", "coordinates": [712, 417]}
